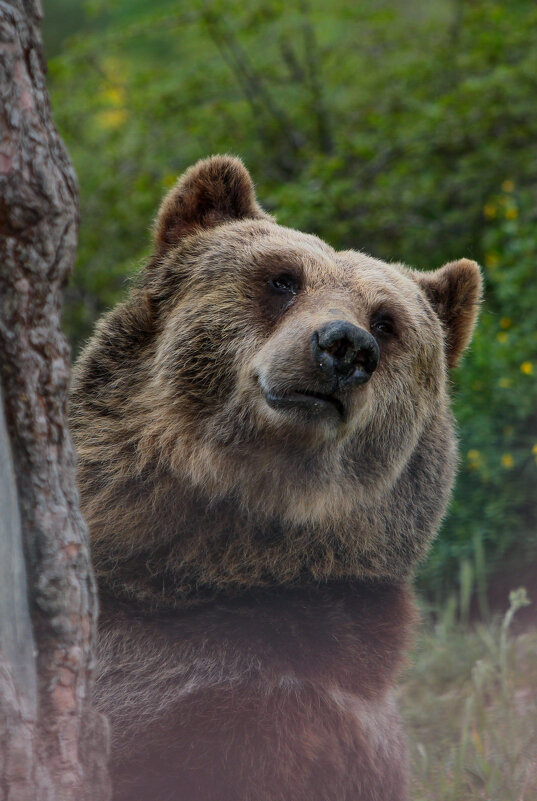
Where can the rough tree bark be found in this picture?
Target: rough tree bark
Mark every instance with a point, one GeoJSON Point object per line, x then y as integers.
{"type": "Point", "coordinates": [53, 746]}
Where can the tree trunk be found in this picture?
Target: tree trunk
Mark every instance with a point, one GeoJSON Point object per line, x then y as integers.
{"type": "Point", "coordinates": [53, 746]}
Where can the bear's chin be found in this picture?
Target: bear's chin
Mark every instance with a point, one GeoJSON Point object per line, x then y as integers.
{"type": "Point", "coordinates": [306, 418]}
{"type": "Point", "coordinates": [310, 428]}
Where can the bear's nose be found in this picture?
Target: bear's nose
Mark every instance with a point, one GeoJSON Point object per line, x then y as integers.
{"type": "Point", "coordinates": [344, 353]}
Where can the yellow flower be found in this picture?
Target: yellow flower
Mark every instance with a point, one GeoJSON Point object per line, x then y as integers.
{"type": "Point", "coordinates": [491, 259]}
{"type": "Point", "coordinates": [504, 383]}
{"type": "Point", "coordinates": [508, 186]}
{"type": "Point", "coordinates": [502, 337]}
{"type": "Point", "coordinates": [112, 118]}
{"type": "Point", "coordinates": [507, 461]}
{"type": "Point", "coordinates": [474, 460]}
{"type": "Point", "coordinates": [506, 322]}
{"type": "Point", "coordinates": [489, 210]}
{"type": "Point", "coordinates": [113, 95]}
{"type": "Point", "coordinates": [534, 449]}
{"type": "Point", "coordinates": [511, 213]}
{"type": "Point", "coordinates": [526, 368]}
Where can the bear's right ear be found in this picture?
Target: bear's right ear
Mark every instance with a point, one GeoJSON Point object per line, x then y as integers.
{"type": "Point", "coordinates": [213, 191]}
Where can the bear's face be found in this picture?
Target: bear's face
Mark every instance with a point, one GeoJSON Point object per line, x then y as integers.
{"type": "Point", "coordinates": [296, 374]}
{"type": "Point", "coordinates": [263, 409]}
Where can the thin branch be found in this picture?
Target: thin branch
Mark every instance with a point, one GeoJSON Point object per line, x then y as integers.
{"type": "Point", "coordinates": [251, 82]}
{"type": "Point", "coordinates": [296, 71]}
{"type": "Point", "coordinates": [313, 62]}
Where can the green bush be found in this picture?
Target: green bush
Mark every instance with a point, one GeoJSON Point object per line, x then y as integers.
{"type": "Point", "coordinates": [404, 129]}
{"type": "Point", "coordinates": [493, 515]}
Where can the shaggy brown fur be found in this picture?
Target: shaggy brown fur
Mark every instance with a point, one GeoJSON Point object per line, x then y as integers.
{"type": "Point", "coordinates": [253, 514]}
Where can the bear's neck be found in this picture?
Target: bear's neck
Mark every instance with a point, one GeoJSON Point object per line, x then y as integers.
{"type": "Point", "coordinates": [166, 546]}
{"type": "Point", "coordinates": [349, 635]}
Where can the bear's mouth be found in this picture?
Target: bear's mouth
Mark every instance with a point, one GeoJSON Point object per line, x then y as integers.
{"type": "Point", "coordinates": [314, 404]}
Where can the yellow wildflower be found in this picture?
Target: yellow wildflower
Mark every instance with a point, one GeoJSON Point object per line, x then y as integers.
{"type": "Point", "coordinates": [526, 368]}
{"type": "Point", "coordinates": [113, 95]}
{"type": "Point", "coordinates": [508, 186]}
{"type": "Point", "coordinates": [506, 322]}
{"type": "Point", "coordinates": [502, 337]}
{"type": "Point", "coordinates": [474, 459]}
{"type": "Point", "coordinates": [507, 461]}
{"type": "Point", "coordinates": [511, 213]}
{"type": "Point", "coordinates": [112, 118]}
{"type": "Point", "coordinates": [534, 449]}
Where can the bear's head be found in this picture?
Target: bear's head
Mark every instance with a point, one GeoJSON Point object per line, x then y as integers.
{"type": "Point", "coordinates": [265, 409]}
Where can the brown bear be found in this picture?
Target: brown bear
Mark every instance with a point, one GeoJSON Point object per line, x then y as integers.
{"type": "Point", "coordinates": [265, 451]}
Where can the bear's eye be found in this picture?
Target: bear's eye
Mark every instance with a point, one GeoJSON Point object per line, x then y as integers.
{"type": "Point", "coordinates": [284, 284]}
{"type": "Point", "coordinates": [382, 325]}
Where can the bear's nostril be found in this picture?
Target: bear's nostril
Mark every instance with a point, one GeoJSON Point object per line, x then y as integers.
{"type": "Point", "coordinates": [345, 353]}
{"type": "Point", "coordinates": [339, 349]}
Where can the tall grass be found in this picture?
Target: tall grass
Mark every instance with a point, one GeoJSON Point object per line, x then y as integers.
{"type": "Point", "coordinates": [470, 703]}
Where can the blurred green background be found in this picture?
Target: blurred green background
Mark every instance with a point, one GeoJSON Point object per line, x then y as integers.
{"type": "Point", "coordinates": [405, 129]}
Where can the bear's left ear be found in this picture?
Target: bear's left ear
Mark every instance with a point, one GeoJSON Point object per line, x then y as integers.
{"type": "Point", "coordinates": [454, 292]}
{"type": "Point", "coordinates": [213, 191]}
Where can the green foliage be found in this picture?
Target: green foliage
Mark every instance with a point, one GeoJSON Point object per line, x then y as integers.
{"type": "Point", "coordinates": [470, 706]}
{"type": "Point", "coordinates": [405, 129]}
{"type": "Point", "coordinates": [493, 515]}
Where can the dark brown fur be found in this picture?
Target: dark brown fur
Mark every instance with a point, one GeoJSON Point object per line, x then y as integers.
{"type": "Point", "coordinates": [253, 561]}
{"type": "Point", "coordinates": [238, 699]}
